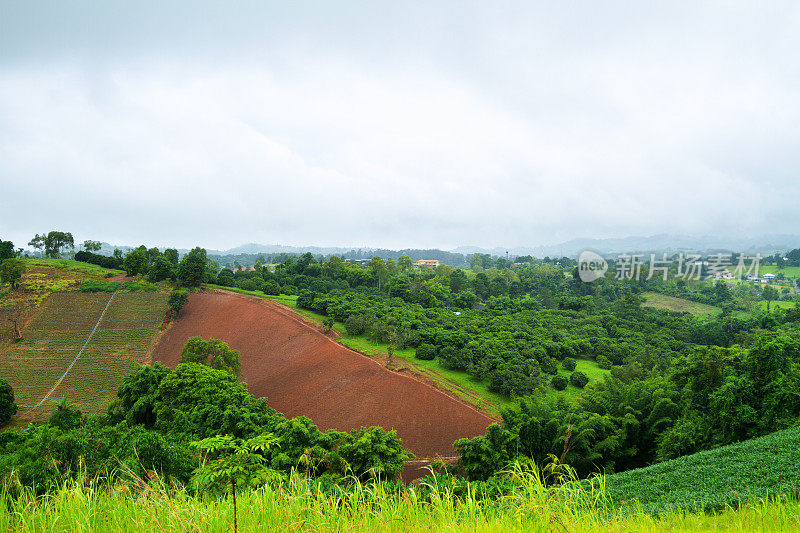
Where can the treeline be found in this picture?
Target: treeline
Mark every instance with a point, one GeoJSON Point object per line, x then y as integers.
{"type": "Point", "coordinates": [447, 258]}
{"type": "Point", "coordinates": [235, 261]}
{"type": "Point", "coordinates": [192, 270]}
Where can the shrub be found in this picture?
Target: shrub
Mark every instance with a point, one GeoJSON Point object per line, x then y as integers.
{"type": "Point", "coordinates": [559, 382]}
{"type": "Point", "coordinates": [99, 260]}
{"type": "Point", "coordinates": [549, 365]}
{"type": "Point", "coordinates": [569, 364]}
{"type": "Point", "coordinates": [65, 416]}
{"type": "Point", "coordinates": [456, 359]}
{"type": "Point", "coordinates": [355, 325]}
{"type": "Point", "coordinates": [380, 332]}
{"type": "Point", "coordinates": [289, 290]}
{"type": "Point", "coordinates": [98, 286]}
{"type": "Point", "coordinates": [374, 453]}
{"type": "Point", "coordinates": [159, 270]}
{"type": "Point", "coordinates": [603, 362]}
{"type": "Point", "coordinates": [11, 271]}
{"type": "Point", "coordinates": [213, 352]}
{"type": "Point", "coordinates": [579, 379]}
{"type": "Point", "coordinates": [425, 352]}
{"type": "Point", "coordinates": [7, 406]}
{"type": "Point", "coordinates": [177, 299]}
{"type": "Point", "coordinates": [247, 285]}
{"type": "Point", "coordinates": [271, 288]}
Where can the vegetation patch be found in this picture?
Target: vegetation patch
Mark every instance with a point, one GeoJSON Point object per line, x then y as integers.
{"type": "Point", "coordinates": [713, 479]}
{"type": "Point", "coordinates": [69, 325]}
{"type": "Point", "coordinates": [670, 303]}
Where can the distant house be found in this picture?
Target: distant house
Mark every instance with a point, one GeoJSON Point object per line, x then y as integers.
{"type": "Point", "coordinates": [479, 306]}
{"type": "Point", "coordinates": [768, 278]}
{"type": "Point", "coordinates": [429, 263]}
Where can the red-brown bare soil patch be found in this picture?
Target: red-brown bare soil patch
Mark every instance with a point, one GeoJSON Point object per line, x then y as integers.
{"type": "Point", "coordinates": [303, 372]}
{"type": "Point", "coordinates": [122, 278]}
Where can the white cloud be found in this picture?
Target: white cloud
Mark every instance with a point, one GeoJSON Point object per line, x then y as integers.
{"type": "Point", "coordinates": [530, 135]}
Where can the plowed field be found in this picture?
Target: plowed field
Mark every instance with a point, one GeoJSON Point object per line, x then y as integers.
{"type": "Point", "coordinates": [303, 372]}
{"type": "Point", "coordinates": [79, 346]}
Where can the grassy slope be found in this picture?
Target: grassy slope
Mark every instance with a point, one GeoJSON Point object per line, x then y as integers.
{"type": "Point", "coordinates": [670, 303]}
{"type": "Point", "coordinates": [714, 478]}
{"type": "Point", "coordinates": [588, 367]}
{"type": "Point", "coordinates": [789, 272]}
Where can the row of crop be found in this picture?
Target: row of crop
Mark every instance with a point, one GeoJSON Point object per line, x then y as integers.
{"type": "Point", "coordinates": [753, 468]}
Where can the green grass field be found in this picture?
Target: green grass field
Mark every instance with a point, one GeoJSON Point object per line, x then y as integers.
{"type": "Point", "coordinates": [70, 265]}
{"type": "Point", "coordinates": [299, 505]}
{"type": "Point", "coordinates": [588, 367]}
{"type": "Point", "coordinates": [715, 478]}
{"type": "Point", "coordinates": [670, 303]}
{"type": "Point", "coordinates": [789, 272]}
{"type": "Point", "coordinates": [69, 325]}
{"type": "Point", "coordinates": [782, 304]}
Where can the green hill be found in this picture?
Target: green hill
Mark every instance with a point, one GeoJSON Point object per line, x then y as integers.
{"type": "Point", "coordinates": [711, 479]}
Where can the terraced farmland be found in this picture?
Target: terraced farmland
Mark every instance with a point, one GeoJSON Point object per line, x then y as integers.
{"type": "Point", "coordinates": [79, 346]}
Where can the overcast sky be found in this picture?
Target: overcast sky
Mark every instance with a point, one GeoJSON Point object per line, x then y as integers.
{"type": "Point", "coordinates": [397, 124]}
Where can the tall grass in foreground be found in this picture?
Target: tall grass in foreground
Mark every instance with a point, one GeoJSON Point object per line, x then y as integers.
{"type": "Point", "coordinates": [299, 504]}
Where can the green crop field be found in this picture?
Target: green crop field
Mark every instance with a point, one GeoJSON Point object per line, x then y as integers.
{"type": "Point", "coordinates": [711, 479]}
{"type": "Point", "coordinates": [82, 344]}
{"type": "Point", "coordinates": [670, 303]}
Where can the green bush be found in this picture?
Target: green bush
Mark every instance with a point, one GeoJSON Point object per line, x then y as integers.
{"type": "Point", "coordinates": [578, 379]}
{"type": "Point", "coordinates": [355, 325]}
{"type": "Point", "coordinates": [7, 406]}
{"type": "Point", "coordinates": [98, 286]}
{"type": "Point", "coordinates": [425, 352]}
{"type": "Point", "coordinates": [374, 453]}
{"type": "Point", "coordinates": [456, 359]}
{"type": "Point", "coordinates": [603, 362]}
{"type": "Point", "coordinates": [177, 299]}
{"type": "Point", "coordinates": [559, 382]}
{"type": "Point", "coordinates": [569, 364]}
{"type": "Point", "coordinates": [549, 365]}
{"type": "Point", "coordinates": [271, 288]}
{"type": "Point", "coordinates": [247, 285]}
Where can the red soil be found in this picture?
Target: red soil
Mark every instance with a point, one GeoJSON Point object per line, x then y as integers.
{"type": "Point", "coordinates": [303, 372]}
{"type": "Point", "coordinates": [122, 278]}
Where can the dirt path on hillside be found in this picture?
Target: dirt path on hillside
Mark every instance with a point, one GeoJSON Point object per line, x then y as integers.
{"type": "Point", "coordinates": [303, 372]}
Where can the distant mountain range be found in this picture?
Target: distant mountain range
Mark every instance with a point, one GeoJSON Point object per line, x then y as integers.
{"type": "Point", "coordinates": [765, 244]}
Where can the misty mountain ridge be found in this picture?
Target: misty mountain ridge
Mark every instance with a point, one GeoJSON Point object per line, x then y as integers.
{"type": "Point", "coordinates": [765, 244]}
